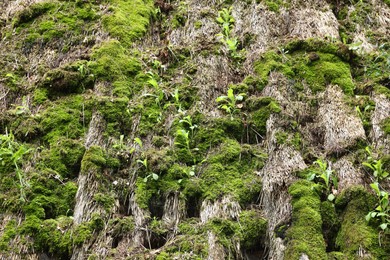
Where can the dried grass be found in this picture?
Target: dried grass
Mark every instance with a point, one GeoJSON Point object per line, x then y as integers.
{"type": "Point", "coordinates": [225, 208]}
{"type": "Point", "coordinates": [312, 23]}
{"type": "Point", "coordinates": [216, 251]}
{"type": "Point", "coordinates": [347, 174]}
{"type": "Point", "coordinates": [8, 8]}
{"type": "Point", "coordinates": [381, 112]}
{"type": "Point", "coordinates": [173, 211]}
{"type": "Point", "coordinates": [277, 175]}
{"type": "Point", "coordinates": [212, 78]}
{"type": "Point", "coordinates": [95, 132]}
{"type": "Point", "coordinates": [342, 128]}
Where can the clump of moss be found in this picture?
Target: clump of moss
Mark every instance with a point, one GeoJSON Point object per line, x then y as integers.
{"type": "Point", "coordinates": [70, 79]}
{"type": "Point", "coordinates": [305, 234]}
{"type": "Point", "coordinates": [253, 228]}
{"type": "Point", "coordinates": [261, 109]}
{"type": "Point", "coordinates": [93, 160]}
{"type": "Point", "coordinates": [9, 232]}
{"type": "Point", "coordinates": [31, 12]}
{"type": "Point", "coordinates": [64, 157]}
{"type": "Point", "coordinates": [231, 171]}
{"type": "Point", "coordinates": [355, 233]}
{"type": "Point", "coordinates": [65, 117]}
{"type": "Point", "coordinates": [112, 61]}
{"type": "Point", "coordinates": [330, 224]}
{"type": "Point", "coordinates": [128, 21]}
{"type": "Point", "coordinates": [326, 64]}
{"type": "Point", "coordinates": [386, 126]}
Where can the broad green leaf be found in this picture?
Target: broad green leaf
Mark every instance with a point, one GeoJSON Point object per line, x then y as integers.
{"type": "Point", "coordinates": [375, 187]}
{"type": "Point", "coordinates": [154, 176]}
{"type": "Point", "coordinates": [383, 226]}
{"type": "Point", "coordinates": [368, 216]}
{"type": "Point", "coordinates": [331, 197]}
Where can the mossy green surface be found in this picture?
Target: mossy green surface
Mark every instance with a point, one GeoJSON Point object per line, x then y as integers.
{"type": "Point", "coordinates": [93, 160]}
{"type": "Point", "coordinates": [386, 126]}
{"type": "Point", "coordinates": [305, 234]}
{"type": "Point", "coordinates": [318, 69]}
{"type": "Point", "coordinates": [219, 158]}
{"type": "Point", "coordinates": [129, 19]}
{"type": "Point", "coordinates": [355, 233]}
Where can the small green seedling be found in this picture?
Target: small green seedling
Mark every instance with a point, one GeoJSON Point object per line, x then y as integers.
{"type": "Point", "coordinates": [229, 102]}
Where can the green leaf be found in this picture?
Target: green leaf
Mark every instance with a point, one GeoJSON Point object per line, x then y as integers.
{"type": "Point", "coordinates": [230, 94]}
{"type": "Point", "coordinates": [368, 216]}
{"type": "Point", "coordinates": [375, 187]}
{"type": "Point", "coordinates": [220, 20]}
{"type": "Point", "coordinates": [383, 226]}
{"type": "Point", "coordinates": [138, 141]}
{"type": "Point", "coordinates": [331, 197]}
{"type": "Point", "coordinates": [154, 176]}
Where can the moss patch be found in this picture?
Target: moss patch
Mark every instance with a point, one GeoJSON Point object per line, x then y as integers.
{"type": "Point", "coordinates": [305, 234]}
{"type": "Point", "coordinates": [355, 233]}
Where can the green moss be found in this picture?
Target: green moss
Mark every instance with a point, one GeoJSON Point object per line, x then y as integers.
{"type": "Point", "coordinates": [93, 160]}
{"type": "Point", "coordinates": [121, 226]}
{"type": "Point", "coordinates": [336, 256]}
{"type": "Point", "coordinates": [65, 118]}
{"type": "Point", "coordinates": [281, 137]}
{"type": "Point", "coordinates": [107, 201]}
{"type": "Point", "coordinates": [330, 223]}
{"type": "Point", "coordinates": [226, 230]}
{"type": "Point", "coordinates": [262, 109]}
{"type": "Point", "coordinates": [386, 126]}
{"type": "Point", "coordinates": [55, 238]}
{"type": "Point", "coordinates": [305, 234]}
{"type": "Point", "coordinates": [112, 61]}
{"type": "Point", "coordinates": [227, 174]}
{"type": "Point", "coordinates": [69, 79]}
{"type": "Point", "coordinates": [9, 232]}
{"type": "Point", "coordinates": [32, 12]}
{"type": "Point", "coordinates": [328, 69]}
{"type": "Point", "coordinates": [60, 25]}
{"type": "Point", "coordinates": [129, 19]}
{"type": "Point", "coordinates": [324, 65]}
{"type": "Point", "coordinates": [144, 191]}
{"type": "Point", "coordinates": [252, 229]}
{"type": "Point", "coordinates": [317, 45]}
{"type": "Point", "coordinates": [49, 196]}
{"type": "Point", "coordinates": [274, 5]}
{"type": "Point", "coordinates": [64, 157]}
{"type": "Point", "coordinates": [40, 96]}
{"type": "Point", "coordinates": [355, 233]}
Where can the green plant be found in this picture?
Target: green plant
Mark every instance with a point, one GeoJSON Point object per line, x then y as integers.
{"type": "Point", "coordinates": [176, 98]}
{"type": "Point", "coordinates": [11, 158]}
{"type": "Point", "coordinates": [382, 211]}
{"type": "Point", "coordinates": [229, 102]}
{"type": "Point", "coordinates": [376, 166]}
{"type": "Point", "coordinates": [226, 22]}
{"type": "Point", "coordinates": [365, 113]}
{"type": "Point", "coordinates": [188, 121]}
{"type": "Point", "coordinates": [22, 109]}
{"type": "Point", "coordinates": [150, 174]}
{"type": "Point", "coordinates": [325, 179]}
{"type": "Point", "coordinates": [182, 138]}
